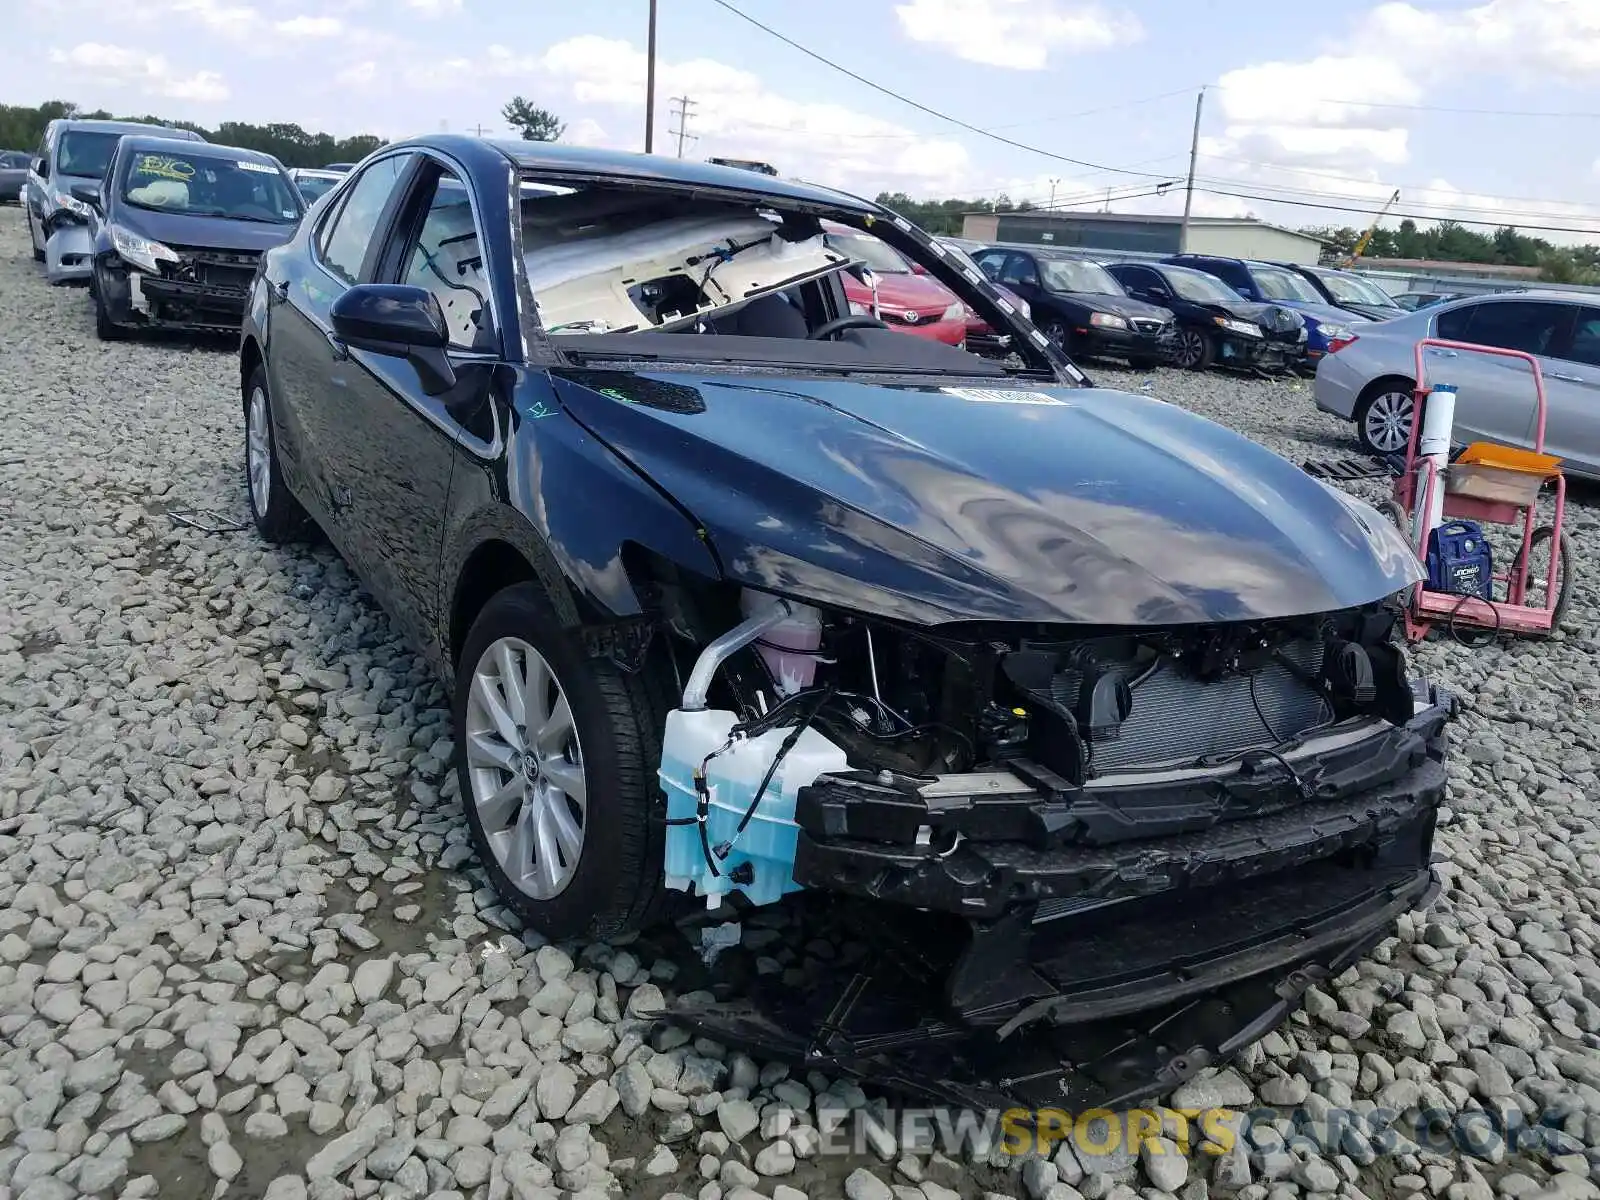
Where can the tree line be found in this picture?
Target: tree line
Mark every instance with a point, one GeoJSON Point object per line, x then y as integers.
{"type": "Point", "coordinates": [1445, 241]}
{"type": "Point", "coordinates": [21, 128]}
{"type": "Point", "coordinates": [1448, 241]}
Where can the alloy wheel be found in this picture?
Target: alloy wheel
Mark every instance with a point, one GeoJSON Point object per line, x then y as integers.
{"type": "Point", "coordinates": [1387, 422]}
{"type": "Point", "coordinates": [526, 768]}
{"type": "Point", "coordinates": [258, 450]}
{"type": "Point", "coordinates": [1191, 348]}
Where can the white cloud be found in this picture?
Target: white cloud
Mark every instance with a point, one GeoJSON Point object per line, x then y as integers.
{"type": "Point", "coordinates": [147, 73]}
{"type": "Point", "coordinates": [736, 114]}
{"type": "Point", "coordinates": [1532, 39]}
{"type": "Point", "coordinates": [434, 8]}
{"type": "Point", "coordinates": [1019, 34]}
{"type": "Point", "coordinates": [310, 27]}
{"type": "Point", "coordinates": [1298, 93]}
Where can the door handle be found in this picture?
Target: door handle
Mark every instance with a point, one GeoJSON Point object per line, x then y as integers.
{"type": "Point", "coordinates": [341, 352]}
{"type": "Point", "coordinates": [1565, 378]}
{"type": "Point", "coordinates": [1443, 353]}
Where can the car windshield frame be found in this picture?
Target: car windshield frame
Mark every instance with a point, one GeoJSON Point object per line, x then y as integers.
{"type": "Point", "coordinates": [85, 139]}
{"type": "Point", "coordinates": [1299, 290]}
{"type": "Point", "coordinates": [1053, 271]}
{"type": "Point", "coordinates": [618, 217]}
{"type": "Point", "coordinates": [147, 168]}
{"type": "Point", "coordinates": [1365, 292]}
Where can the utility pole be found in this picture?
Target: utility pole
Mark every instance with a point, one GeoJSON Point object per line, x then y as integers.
{"type": "Point", "coordinates": [1188, 191]}
{"type": "Point", "coordinates": [650, 85]}
{"type": "Point", "coordinates": [479, 129]}
{"type": "Point", "coordinates": [1107, 207]}
{"type": "Point", "coordinates": [682, 113]}
{"type": "Point", "coordinates": [1053, 183]}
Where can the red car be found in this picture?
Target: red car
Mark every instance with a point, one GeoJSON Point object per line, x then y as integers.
{"type": "Point", "coordinates": [907, 301]}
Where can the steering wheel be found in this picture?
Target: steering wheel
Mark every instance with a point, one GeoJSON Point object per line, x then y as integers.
{"type": "Point", "coordinates": [839, 324]}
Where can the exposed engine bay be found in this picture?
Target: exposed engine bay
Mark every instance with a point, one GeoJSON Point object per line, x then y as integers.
{"type": "Point", "coordinates": [1087, 824]}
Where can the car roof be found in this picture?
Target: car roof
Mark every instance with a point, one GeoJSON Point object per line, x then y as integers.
{"type": "Point", "coordinates": [649, 168]}
{"type": "Point", "coordinates": [125, 127]}
{"type": "Point", "coordinates": [182, 146]}
{"type": "Point", "coordinates": [317, 172]}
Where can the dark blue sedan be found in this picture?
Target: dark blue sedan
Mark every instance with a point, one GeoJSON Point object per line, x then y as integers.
{"type": "Point", "coordinates": [739, 593]}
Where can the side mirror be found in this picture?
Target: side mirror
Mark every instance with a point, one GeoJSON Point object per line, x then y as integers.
{"type": "Point", "coordinates": [400, 321]}
{"type": "Point", "coordinates": [89, 193]}
{"type": "Point", "coordinates": [918, 269]}
{"type": "Point", "coordinates": [39, 167]}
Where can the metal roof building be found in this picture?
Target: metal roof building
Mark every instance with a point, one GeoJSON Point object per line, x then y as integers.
{"type": "Point", "coordinates": [1229, 237]}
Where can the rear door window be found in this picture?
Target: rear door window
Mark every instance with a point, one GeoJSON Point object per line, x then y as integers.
{"type": "Point", "coordinates": [1531, 326]}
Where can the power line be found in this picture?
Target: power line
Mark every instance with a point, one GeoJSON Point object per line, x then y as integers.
{"type": "Point", "coordinates": [920, 107]}
{"type": "Point", "coordinates": [1449, 206]}
{"type": "Point", "coordinates": [684, 104]}
{"type": "Point", "coordinates": [1384, 184]}
{"type": "Point", "coordinates": [1368, 212]}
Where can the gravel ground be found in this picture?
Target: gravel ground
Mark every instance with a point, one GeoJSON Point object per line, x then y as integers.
{"type": "Point", "coordinates": [244, 949]}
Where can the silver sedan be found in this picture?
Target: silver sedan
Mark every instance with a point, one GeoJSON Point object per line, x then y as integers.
{"type": "Point", "coordinates": [1369, 379]}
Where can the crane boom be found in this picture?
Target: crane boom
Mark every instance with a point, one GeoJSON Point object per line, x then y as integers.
{"type": "Point", "coordinates": [1366, 238]}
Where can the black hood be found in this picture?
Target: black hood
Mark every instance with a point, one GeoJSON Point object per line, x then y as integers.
{"type": "Point", "coordinates": [935, 504]}
{"type": "Point", "coordinates": [211, 233]}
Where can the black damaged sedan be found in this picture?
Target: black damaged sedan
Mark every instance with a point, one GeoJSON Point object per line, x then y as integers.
{"type": "Point", "coordinates": [1088, 709]}
{"type": "Point", "coordinates": [1082, 308]}
{"type": "Point", "coordinates": [179, 229]}
{"type": "Point", "coordinates": [1216, 325]}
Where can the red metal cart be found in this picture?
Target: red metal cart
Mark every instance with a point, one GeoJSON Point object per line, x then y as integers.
{"type": "Point", "coordinates": [1490, 484]}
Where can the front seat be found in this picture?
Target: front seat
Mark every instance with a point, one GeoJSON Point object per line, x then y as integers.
{"type": "Point", "coordinates": [768, 316]}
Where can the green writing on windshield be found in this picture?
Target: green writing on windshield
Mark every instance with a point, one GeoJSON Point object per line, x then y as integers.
{"type": "Point", "coordinates": [163, 166]}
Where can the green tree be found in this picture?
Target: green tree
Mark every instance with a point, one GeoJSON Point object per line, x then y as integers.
{"type": "Point", "coordinates": [536, 124]}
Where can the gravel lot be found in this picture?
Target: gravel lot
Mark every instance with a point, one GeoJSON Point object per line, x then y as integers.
{"type": "Point", "coordinates": [244, 949]}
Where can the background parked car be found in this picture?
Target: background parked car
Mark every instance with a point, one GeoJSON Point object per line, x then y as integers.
{"type": "Point", "coordinates": [313, 184]}
{"type": "Point", "coordinates": [1412, 301]}
{"type": "Point", "coordinates": [74, 152]}
{"type": "Point", "coordinates": [907, 300]}
{"type": "Point", "coordinates": [981, 339]}
{"type": "Point", "coordinates": [1269, 284]}
{"type": "Point", "coordinates": [1370, 379]}
{"type": "Point", "coordinates": [340, 168]}
{"type": "Point", "coordinates": [1081, 307]}
{"type": "Point", "coordinates": [180, 227]}
{"type": "Point", "coordinates": [1347, 290]}
{"type": "Point", "coordinates": [13, 174]}
{"type": "Point", "coordinates": [1216, 324]}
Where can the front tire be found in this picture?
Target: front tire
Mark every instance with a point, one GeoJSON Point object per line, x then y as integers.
{"type": "Point", "coordinates": [556, 758]}
{"type": "Point", "coordinates": [1196, 350]}
{"type": "Point", "coordinates": [278, 516]}
{"type": "Point", "coordinates": [105, 328]}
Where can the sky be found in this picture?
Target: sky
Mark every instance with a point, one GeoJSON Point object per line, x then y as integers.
{"type": "Point", "coordinates": [1480, 110]}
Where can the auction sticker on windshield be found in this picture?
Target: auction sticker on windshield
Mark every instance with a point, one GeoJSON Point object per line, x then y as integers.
{"type": "Point", "coordinates": [1004, 396]}
{"type": "Point", "coordinates": [255, 166]}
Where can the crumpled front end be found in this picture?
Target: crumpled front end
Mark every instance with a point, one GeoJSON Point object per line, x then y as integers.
{"type": "Point", "coordinates": [203, 291]}
{"type": "Point", "coordinates": [1094, 861]}
{"type": "Point", "coordinates": [68, 251]}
